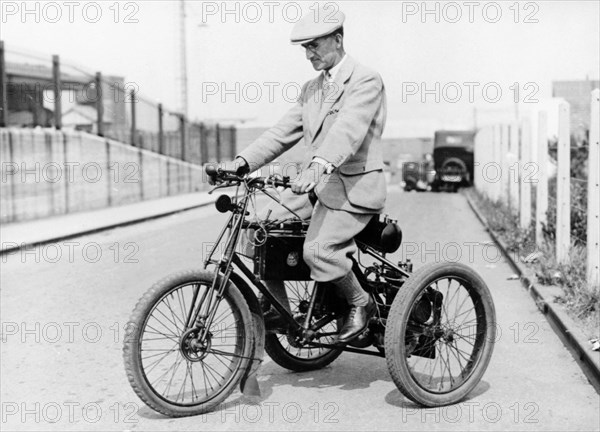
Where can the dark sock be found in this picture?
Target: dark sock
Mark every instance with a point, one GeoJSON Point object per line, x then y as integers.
{"type": "Point", "coordinates": [351, 289]}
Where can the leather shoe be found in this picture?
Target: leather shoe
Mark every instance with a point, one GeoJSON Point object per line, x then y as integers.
{"type": "Point", "coordinates": [357, 322]}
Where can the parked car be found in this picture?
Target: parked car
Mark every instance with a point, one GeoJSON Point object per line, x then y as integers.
{"type": "Point", "coordinates": [418, 175]}
{"type": "Point", "coordinates": [453, 159]}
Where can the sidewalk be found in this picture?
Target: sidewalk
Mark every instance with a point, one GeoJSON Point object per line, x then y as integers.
{"type": "Point", "coordinates": [563, 325]}
{"type": "Point", "coordinates": [14, 236]}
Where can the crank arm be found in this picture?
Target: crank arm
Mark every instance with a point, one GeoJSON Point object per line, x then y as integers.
{"type": "Point", "coordinates": [345, 348]}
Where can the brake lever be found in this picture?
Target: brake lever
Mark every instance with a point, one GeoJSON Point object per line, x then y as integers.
{"type": "Point", "coordinates": [221, 186]}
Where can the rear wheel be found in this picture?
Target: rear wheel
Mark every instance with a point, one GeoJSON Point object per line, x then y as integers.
{"type": "Point", "coordinates": [283, 348]}
{"type": "Point", "coordinates": [170, 367]}
{"type": "Point", "coordinates": [440, 334]}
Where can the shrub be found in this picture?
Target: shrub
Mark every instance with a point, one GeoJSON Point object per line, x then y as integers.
{"type": "Point", "coordinates": [579, 159]}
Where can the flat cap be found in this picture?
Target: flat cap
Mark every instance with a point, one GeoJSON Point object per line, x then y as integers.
{"type": "Point", "coordinates": [317, 23]}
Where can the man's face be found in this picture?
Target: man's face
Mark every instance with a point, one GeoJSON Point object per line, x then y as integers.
{"type": "Point", "coordinates": [322, 52]}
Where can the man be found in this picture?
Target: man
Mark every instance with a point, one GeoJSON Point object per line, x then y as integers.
{"type": "Point", "coordinates": [340, 115]}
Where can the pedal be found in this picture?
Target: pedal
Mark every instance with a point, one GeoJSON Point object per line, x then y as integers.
{"type": "Point", "coordinates": [363, 340]}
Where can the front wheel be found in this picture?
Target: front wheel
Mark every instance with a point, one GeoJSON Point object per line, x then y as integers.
{"type": "Point", "coordinates": [440, 334]}
{"type": "Point", "coordinates": [171, 368]}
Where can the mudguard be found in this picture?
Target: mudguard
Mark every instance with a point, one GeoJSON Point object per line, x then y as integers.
{"type": "Point", "coordinates": [249, 383]}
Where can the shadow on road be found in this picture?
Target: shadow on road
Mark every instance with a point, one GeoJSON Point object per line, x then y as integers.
{"type": "Point", "coordinates": [346, 373]}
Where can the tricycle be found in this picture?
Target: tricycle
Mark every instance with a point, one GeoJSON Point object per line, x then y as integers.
{"type": "Point", "coordinates": [198, 334]}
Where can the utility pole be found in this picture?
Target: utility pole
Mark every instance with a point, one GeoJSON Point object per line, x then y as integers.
{"type": "Point", "coordinates": [57, 92]}
{"type": "Point", "coordinates": [3, 92]}
{"type": "Point", "coordinates": [183, 59]}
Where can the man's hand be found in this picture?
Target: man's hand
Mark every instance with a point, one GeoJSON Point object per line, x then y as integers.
{"type": "Point", "coordinates": [238, 166]}
{"type": "Point", "coordinates": [309, 178]}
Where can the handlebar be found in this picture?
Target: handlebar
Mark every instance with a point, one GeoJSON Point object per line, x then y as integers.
{"type": "Point", "coordinates": [220, 175]}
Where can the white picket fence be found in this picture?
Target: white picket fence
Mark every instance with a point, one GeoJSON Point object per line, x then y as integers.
{"type": "Point", "coordinates": [508, 163]}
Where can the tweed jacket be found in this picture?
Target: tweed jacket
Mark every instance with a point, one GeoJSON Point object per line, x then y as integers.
{"type": "Point", "coordinates": [340, 122]}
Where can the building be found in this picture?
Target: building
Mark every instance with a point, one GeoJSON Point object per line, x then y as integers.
{"type": "Point", "coordinates": [30, 93]}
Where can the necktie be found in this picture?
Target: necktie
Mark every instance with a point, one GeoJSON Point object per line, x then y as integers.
{"type": "Point", "coordinates": [326, 86]}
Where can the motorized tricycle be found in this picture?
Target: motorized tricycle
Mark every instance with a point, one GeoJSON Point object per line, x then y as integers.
{"type": "Point", "coordinates": [196, 335]}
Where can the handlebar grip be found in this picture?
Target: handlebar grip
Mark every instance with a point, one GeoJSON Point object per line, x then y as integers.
{"type": "Point", "coordinates": [211, 170]}
{"type": "Point", "coordinates": [214, 171]}
{"type": "Point", "coordinates": [242, 170]}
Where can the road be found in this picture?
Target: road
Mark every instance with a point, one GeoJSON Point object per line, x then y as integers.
{"type": "Point", "coordinates": [64, 306]}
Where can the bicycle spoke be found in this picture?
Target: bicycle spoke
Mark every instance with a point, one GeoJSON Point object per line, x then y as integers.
{"type": "Point", "coordinates": [156, 362]}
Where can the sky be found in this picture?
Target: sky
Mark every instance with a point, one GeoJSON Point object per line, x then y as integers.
{"type": "Point", "coordinates": [444, 64]}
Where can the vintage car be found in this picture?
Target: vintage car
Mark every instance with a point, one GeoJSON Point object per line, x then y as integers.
{"type": "Point", "coordinates": [418, 175]}
{"type": "Point", "coordinates": [453, 159]}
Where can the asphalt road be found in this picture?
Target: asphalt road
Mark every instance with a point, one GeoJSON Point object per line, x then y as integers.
{"type": "Point", "coordinates": [64, 307]}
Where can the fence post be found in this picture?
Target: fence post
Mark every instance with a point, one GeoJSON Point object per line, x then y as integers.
{"type": "Point", "coordinates": [524, 179]}
{"type": "Point", "coordinates": [489, 153]}
{"type": "Point", "coordinates": [99, 104]}
{"type": "Point", "coordinates": [514, 163]}
{"type": "Point", "coordinates": [489, 157]}
{"type": "Point", "coordinates": [3, 94]}
{"type": "Point", "coordinates": [182, 135]}
{"type": "Point", "coordinates": [563, 185]}
{"type": "Point", "coordinates": [218, 142]}
{"type": "Point", "coordinates": [487, 162]}
{"type": "Point", "coordinates": [161, 137]}
{"type": "Point", "coordinates": [203, 144]}
{"type": "Point", "coordinates": [541, 192]}
{"type": "Point", "coordinates": [477, 162]}
{"type": "Point", "coordinates": [593, 203]}
{"type": "Point", "coordinates": [497, 161]}
{"type": "Point", "coordinates": [133, 119]}
{"type": "Point", "coordinates": [233, 141]}
{"type": "Point", "coordinates": [504, 164]}
{"type": "Point", "coordinates": [57, 92]}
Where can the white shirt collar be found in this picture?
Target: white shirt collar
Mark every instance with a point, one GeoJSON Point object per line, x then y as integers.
{"type": "Point", "coordinates": [334, 70]}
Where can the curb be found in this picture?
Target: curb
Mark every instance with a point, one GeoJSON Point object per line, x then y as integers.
{"type": "Point", "coordinates": [102, 228]}
{"type": "Point", "coordinates": [560, 322]}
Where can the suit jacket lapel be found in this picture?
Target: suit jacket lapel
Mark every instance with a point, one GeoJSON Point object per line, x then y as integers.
{"type": "Point", "coordinates": [331, 93]}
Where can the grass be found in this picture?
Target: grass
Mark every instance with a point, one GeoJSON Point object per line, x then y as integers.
{"type": "Point", "coordinates": [581, 301]}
